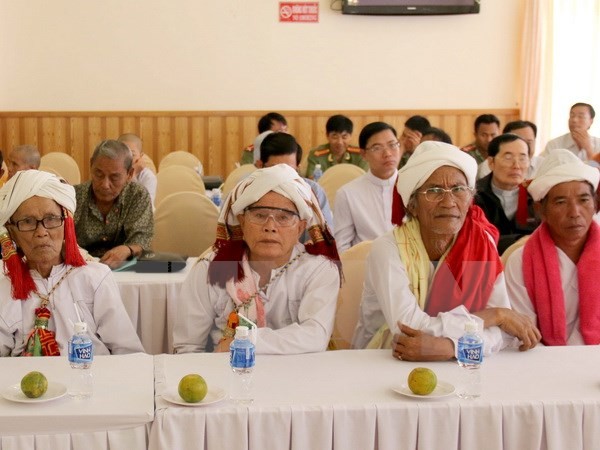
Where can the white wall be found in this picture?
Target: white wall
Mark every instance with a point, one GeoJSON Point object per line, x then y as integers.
{"type": "Point", "coordinates": [235, 55]}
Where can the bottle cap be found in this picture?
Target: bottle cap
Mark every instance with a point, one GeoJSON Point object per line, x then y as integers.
{"type": "Point", "coordinates": [80, 327]}
{"type": "Point", "coordinates": [317, 166]}
{"type": "Point", "coordinates": [471, 327]}
{"type": "Point", "coordinates": [241, 332]}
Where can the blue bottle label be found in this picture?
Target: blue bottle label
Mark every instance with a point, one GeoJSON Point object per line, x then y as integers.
{"type": "Point", "coordinates": [241, 357]}
{"type": "Point", "coordinates": [81, 353]}
{"type": "Point", "coordinates": [470, 353]}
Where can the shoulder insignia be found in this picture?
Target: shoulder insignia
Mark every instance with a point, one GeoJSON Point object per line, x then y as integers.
{"type": "Point", "coordinates": [469, 148]}
{"type": "Point", "coordinates": [354, 150]}
{"type": "Point", "coordinates": [321, 152]}
{"type": "Point", "coordinates": [250, 148]}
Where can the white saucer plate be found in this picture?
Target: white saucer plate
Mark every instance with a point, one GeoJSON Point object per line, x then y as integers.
{"type": "Point", "coordinates": [214, 395]}
{"type": "Point", "coordinates": [442, 390]}
{"type": "Point", "coordinates": [14, 393]}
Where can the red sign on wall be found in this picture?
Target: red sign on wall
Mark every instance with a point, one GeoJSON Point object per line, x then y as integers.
{"type": "Point", "coordinates": [298, 11]}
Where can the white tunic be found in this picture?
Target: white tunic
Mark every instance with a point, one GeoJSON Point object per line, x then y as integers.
{"type": "Point", "coordinates": [299, 308]}
{"type": "Point", "coordinates": [570, 285]}
{"type": "Point", "coordinates": [96, 292]}
{"type": "Point", "coordinates": [566, 141]}
{"type": "Point", "coordinates": [363, 210]}
{"type": "Point", "coordinates": [388, 298]}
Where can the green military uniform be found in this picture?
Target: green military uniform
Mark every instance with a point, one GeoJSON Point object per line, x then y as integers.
{"type": "Point", "coordinates": [247, 155]}
{"type": "Point", "coordinates": [472, 150]}
{"type": "Point", "coordinates": [404, 160]}
{"type": "Point", "coordinates": [322, 155]}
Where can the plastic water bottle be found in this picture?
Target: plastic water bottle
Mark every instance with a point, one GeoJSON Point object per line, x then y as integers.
{"type": "Point", "coordinates": [318, 172]}
{"type": "Point", "coordinates": [81, 355]}
{"type": "Point", "coordinates": [470, 357]}
{"type": "Point", "coordinates": [216, 197]}
{"type": "Point", "coordinates": [241, 358]}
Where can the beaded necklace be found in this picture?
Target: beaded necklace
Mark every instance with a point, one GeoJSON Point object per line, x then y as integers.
{"type": "Point", "coordinates": [45, 298]}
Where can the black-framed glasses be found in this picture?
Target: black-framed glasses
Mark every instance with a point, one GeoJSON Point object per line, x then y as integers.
{"type": "Point", "coordinates": [379, 148]}
{"type": "Point", "coordinates": [436, 194]}
{"type": "Point", "coordinates": [31, 223]}
{"type": "Point", "coordinates": [259, 215]}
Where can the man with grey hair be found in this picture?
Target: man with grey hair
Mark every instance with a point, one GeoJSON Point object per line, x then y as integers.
{"type": "Point", "coordinates": [141, 173]}
{"type": "Point", "coordinates": [22, 157]}
{"type": "Point", "coordinates": [113, 219]}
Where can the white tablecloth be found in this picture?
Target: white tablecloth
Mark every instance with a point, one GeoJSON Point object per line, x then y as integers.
{"type": "Point", "coordinates": [151, 302]}
{"type": "Point", "coordinates": [117, 416]}
{"type": "Point", "coordinates": [547, 398]}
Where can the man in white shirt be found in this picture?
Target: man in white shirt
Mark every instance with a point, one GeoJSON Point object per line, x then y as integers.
{"type": "Point", "coordinates": [553, 278]}
{"type": "Point", "coordinates": [578, 140]}
{"type": "Point", "coordinates": [363, 207]}
{"type": "Point", "coordinates": [141, 173]}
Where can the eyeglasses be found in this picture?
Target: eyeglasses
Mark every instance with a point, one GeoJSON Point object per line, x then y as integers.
{"type": "Point", "coordinates": [31, 223]}
{"type": "Point", "coordinates": [437, 194]}
{"type": "Point", "coordinates": [393, 146]}
{"type": "Point", "coordinates": [509, 159]}
{"type": "Point", "coordinates": [259, 215]}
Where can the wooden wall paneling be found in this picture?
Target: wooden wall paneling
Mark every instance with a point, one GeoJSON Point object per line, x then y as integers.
{"type": "Point", "coordinates": [304, 132]}
{"type": "Point", "coordinates": [131, 125]}
{"type": "Point", "coordinates": [12, 134]}
{"type": "Point", "coordinates": [449, 124]}
{"type": "Point", "coordinates": [249, 132]}
{"type": "Point", "coordinates": [113, 127]}
{"type": "Point", "coordinates": [216, 147]}
{"type": "Point", "coordinates": [51, 135]}
{"type": "Point", "coordinates": [197, 132]}
{"type": "Point", "coordinates": [181, 135]}
{"type": "Point", "coordinates": [77, 147]}
{"type": "Point", "coordinates": [162, 137]}
{"type": "Point", "coordinates": [233, 141]}
{"type": "Point", "coordinates": [29, 131]}
{"type": "Point", "coordinates": [145, 129]}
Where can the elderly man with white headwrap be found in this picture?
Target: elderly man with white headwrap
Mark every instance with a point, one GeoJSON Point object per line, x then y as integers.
{"type": "Point", "coordinates": [553, 278]}
{"type": "Point", "coordinates": [439, 269]}
{"type": "Point", "coordinates": [48, 285]}
{"type": "Point", "coordinates": [259, 269]}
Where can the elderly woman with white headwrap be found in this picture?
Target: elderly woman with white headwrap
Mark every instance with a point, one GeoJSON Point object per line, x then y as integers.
{"type": "Point", "coordinates": [48, 285]}
{"type": "Point", "coordinates": [439, 269]}
{"type": "Point", "coordinates": [259, 269]}
{"type": "Point", "coordinates": [553, 279]}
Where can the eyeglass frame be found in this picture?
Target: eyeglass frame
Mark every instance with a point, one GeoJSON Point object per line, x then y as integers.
{"type": "Point", "coordinates": [37, 223]}
{"type": "Point", "coordinates": [272, 216]}
{"type": "Point", "coordinates": [392, 146]}
{"type": "Point", "coordinates": [443, 192]}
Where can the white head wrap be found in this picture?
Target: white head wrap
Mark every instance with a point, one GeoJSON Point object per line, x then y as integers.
{"type": "Point", "coordinates": [258, 142]}
{"type": "Point", "coordinates": [281, 179]}
{"type": "Point", "coordinates": [29, 183]}
{"type": "Point", "coordinates": [426, 159]}
{"type": "Point", "coordinates": [561, 166]}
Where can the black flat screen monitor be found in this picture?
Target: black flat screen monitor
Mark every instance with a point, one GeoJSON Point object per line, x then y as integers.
{"type": "Point", "coordinates": [410, 7]}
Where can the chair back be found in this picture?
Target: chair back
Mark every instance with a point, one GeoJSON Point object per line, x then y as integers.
{"type": "Point", "coordinates": [148, 163]}
{"type": "Point", "coordinates": [511, 249]}
{"type": "Point", "coordinates": [50, 170]}
{"type": "Point", "coordinates": [348, 304]}
{"type": "Point", "coordinates": [335, 177]}
{"type": "Point", "coordinates": [180, 158]}
{"type": "Point", "coordinates": [63, 164]}
{"type": "Point", "coordinates": [237, 175]}
{"type": "Point", "coordinates": [176, 178]}
{"type": "Point", "coordinates": [185, 223]}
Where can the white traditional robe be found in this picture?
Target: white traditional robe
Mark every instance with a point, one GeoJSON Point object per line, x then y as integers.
{"type": "Point", "coordinates": [299, 308]}
{"type": "Point", "coordinates": [147, 179]}
{"type": "Point", "coordinates": [96, 292]}
{"type": "Point", "coordinates": [363, 210]}
{"type": "Point", "coordinates": [388, 298]}
{"type": "Point", "coordinates": [521, 302]}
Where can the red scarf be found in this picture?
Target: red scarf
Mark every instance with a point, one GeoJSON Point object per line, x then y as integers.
{"type": "Point", "coordinates": [541, 273]}
{"type": "Point", "coordinates": [522, 206]}
{"type": "Point", "coordinates": [470, 269]}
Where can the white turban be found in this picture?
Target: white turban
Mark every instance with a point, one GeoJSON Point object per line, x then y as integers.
{"type": "Point", "coordinates": [281, 179]}
{"type": "Point", "coordinates": [258, 142]}
{"type": "Point", "coordinates": [29, 183]}
{"type": "Point", "coordinates": [561, 166]}
{"type": "Point", "coordinates": [426, 159]}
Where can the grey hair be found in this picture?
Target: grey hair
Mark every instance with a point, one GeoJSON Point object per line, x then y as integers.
{"type": "Point", "coordinates": [30, 153]}
{"type": "Point", "coordinates": [112, 149]}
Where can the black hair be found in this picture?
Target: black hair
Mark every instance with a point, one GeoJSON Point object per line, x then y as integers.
{"type": "Point", "coordinates": [588, 106]}
{"type": "Point", "coordinates": [264, 123]}
{"type": "Point", "coordinates": [486, 118]}
{"type": "Point", "coordinates": [371, 129]}
{"type": "Point", "coordinates": [339, 124]}
{"type": "Point", "coordinates": [518, 124]}
{"type": "Point", "coordinates": [439, 134]}
{"type": "Point", "coordinates": [276, 144]}
{"type": "Point", "coordinates": [417, 123]}
{"type": "Point", "coordinates": [494, 146]}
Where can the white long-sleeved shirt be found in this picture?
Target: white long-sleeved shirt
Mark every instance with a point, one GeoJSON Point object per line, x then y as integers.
{"type": "Point", "coordinates": [520, 301]}
{"type": "Point", "coordinates": [96, 292]}
{"type": "Point", "coordinates": [299, 308]}
{"type": "Point", "coordinates": [566, 141]}
{"type": "Point", "coordinates": [388, 298]}
{"type": "Point", "coordinates": [363, 210]}
{"type": "Point", "coordinates": [147, 179]}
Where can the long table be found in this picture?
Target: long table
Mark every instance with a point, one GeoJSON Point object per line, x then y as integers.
{"type": "Point", "coordinates": [117, 416]}
{"type": "Point", "coordinates": [151, 302]}
{"type": "Point", "coordinates": [547, 398]}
